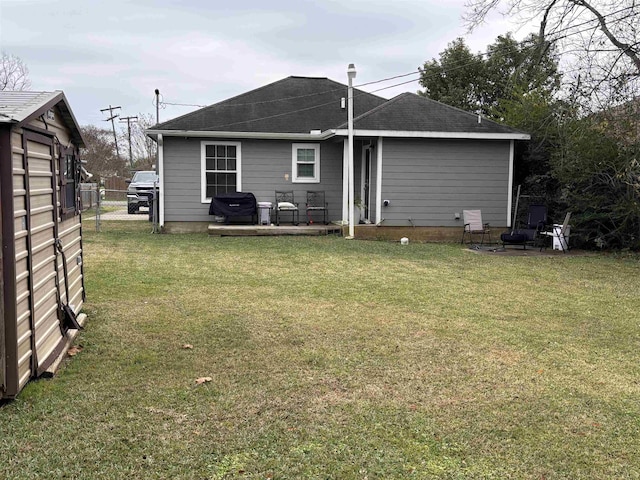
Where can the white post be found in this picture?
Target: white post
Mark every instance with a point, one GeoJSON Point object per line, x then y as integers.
{"type": "Point", "coordinates": [160, 170]}
{"type": "Point", "coordinates": [351, 74]}
{"type": "Point", "coordinates": [345, 182]}
{"type": "Point", "coordinates": [379, 182]}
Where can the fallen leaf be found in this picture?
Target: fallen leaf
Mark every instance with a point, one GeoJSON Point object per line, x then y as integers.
{"type": "Point", "coordinates": [201, 380]}
{"type": "Point", "coordinates": [187, 346]}
{"type": "Point", "coordinates": [73, 351]}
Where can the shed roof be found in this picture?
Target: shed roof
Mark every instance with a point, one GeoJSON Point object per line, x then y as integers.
{"type": "Point", "coordinates": [18, 107]}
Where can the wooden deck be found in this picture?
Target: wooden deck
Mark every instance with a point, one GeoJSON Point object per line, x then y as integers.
{"type": "Point", "coordinates": [222, 230]}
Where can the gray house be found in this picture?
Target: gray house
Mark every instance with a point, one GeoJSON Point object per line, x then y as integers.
{"type": "Point", "coordinates": [418, 163]}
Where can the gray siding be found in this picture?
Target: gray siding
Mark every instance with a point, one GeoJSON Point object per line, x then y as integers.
{"type": "Point", "coordinates": [429, 180]}
{"type": "Point", "coordinates": [264, 165]}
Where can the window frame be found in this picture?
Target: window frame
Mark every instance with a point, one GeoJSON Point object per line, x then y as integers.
{"type": "Point", "coordinates": [68, 211]}
{"type": "Point", "coordinates": [294, 162]}
{"type": "Point", "coordinates": [204, 171]}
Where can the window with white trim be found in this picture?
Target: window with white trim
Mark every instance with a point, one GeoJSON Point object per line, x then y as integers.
{"type": "Point", "coordinates": [305, 162]}
{"type": "Point", "coordinates": [220, 169]}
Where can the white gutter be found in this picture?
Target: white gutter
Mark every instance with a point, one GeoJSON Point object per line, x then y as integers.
{"type": "Point", "coordinates": [161, 175]}
{"type": "Point", "coordinates": [342, 133]}
{"type": "Point", "coordinates": [259, 135]}
{"type": "Point", "coordinates": [415, 134]}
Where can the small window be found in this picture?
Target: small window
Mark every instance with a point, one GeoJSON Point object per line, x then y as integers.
{"type": "Point", "coordinates": [220, 169]}
{"type": "Point", "coordinates": [69, 178]}
{"type": "Point", "coordinates": [306, 162]}
{"type": "Point", "coordinates": [69, 175]}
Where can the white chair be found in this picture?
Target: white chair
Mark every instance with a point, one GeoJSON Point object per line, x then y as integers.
{"type": "Point", "coordinates": [561, 233]}
{"type": "Point", "coordinates": [473, 225]}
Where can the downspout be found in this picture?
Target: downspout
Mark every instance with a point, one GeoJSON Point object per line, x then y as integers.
{"type": "Point", "coordinates": [379, 218]}
{"type": "Point", "coordinates": [510, 191]}
{"type": "Point", "coordinates": [161, 175]}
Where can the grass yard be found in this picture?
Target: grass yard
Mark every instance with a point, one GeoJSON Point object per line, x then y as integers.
{"type": "Point", "coordinates": [337, 359]}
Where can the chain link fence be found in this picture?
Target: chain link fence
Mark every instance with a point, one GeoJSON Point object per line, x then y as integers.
{"type": "Point", "coordinates": [102, 206]}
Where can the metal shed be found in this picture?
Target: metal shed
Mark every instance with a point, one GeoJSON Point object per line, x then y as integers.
{"type": "Point", "coordinates": [40, 173]}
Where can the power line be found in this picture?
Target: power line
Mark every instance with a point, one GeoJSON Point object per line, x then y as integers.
{"type": "Point", "coordinates": [296, 97]}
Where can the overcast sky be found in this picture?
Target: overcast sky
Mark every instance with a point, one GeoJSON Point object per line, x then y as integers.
{"type": "Point", "coordinates": [117, 52]}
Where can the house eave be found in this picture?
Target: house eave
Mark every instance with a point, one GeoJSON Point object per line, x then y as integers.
{"type": "Point", "coordinates": [340, 133]}
{"type": "Point", "coordinates": [419, 134]}
{"type": "Point", "coordinates": [257, 135]}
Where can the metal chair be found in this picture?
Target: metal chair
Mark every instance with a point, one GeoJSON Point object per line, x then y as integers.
{"type": "Point", "coordinates": [531, 232]}
{"type": "Point", "coordinates": [316, 203]}
{"type": "Point", "coordinates": [286, 203]}
{"type": "Point", "coordinates": [473, 225]}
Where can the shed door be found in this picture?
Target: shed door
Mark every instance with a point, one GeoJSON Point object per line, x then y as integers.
{"type": "Point", "coordinates": [46, 333]}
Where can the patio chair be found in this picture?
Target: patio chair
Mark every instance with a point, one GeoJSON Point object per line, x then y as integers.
{"type": "Point", "coordinates": [316, 203]}
{"type": "Point", "coordinates": [286, 203]}
{"type": "Point", "coordinates": [473, 225]}
{"type": "Point", "coordinates": [559, 232]}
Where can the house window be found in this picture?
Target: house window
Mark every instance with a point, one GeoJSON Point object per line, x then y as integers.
{"type": "Point", "coordinates": [306, 162]}
{"type": "Point", "coordinates": [220, 169]}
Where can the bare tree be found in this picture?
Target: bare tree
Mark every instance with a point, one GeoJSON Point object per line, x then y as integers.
{"type": "Point", "coordinates": [100, 152]}
{"type": "Point", "coordinates": [143, 148]}
{"type": "Point", "coordinates": [599, 41]}
{"type": "Point", "coordinates": [14, 74]}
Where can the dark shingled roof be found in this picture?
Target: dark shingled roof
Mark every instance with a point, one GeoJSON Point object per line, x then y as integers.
{"type": "Point", "coordinates": [411, 112]}
{"type": "Point", "coordinates": [290, 105]}
{"type": "Point", "coordinates": [302, 104]}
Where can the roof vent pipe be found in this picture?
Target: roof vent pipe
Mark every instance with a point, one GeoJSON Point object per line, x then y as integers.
{"type": "Point", "coordinates": [479, 119]}
{"type": "Point", "coordinates": [343, 103]}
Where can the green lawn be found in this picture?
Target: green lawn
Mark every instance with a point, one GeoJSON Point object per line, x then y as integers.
{"type": "Point", "coordinates": [337, 359]}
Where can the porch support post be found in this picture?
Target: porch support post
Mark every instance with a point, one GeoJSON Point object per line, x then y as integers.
{"type": "Point", "coordinates": [510, 181]}
{"type": "Point", "coordinates": [379, 218]}
{"type": "Point", "coordinates": [160, 168]}
{"type": "Point", "coordinates": [345, 182]}
{"type": "Point", "coordinates": [351, 74]}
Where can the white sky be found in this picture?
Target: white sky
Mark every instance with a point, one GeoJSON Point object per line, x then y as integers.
{"type": "Point", "coordinates": [117, 52]}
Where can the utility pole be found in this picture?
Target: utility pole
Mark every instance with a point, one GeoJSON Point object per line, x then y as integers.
{"type": "Point", "coordinates": [128, 120]}
{"type": "Point", "coordinates": [111, 118]}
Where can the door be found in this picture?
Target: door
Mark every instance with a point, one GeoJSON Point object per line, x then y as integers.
{"type": "Point", "coordinates": [366, 183]}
